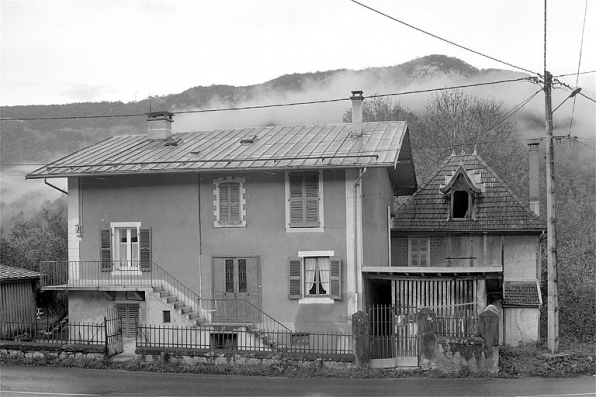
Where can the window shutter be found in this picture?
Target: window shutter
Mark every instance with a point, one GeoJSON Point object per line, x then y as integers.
{"type": "Point", "coordinates": [234, 203]}
{"type": "Point", "coordinates": [296, 200]}
{"type": "Point", "coordinates": [105, 237]}
{"type": "Point", "coordinates": [311, 200]}
{"type": "Point", "coordinates": [335, 277]}
{"type": "Point", "coordinates": [145, 250]}
{"type": "Point", "coordinates": [224, 204]}
{"type": "Point", "coordinates": [295, 280]}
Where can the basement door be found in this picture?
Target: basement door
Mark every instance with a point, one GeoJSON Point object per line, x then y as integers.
{"type": "Point", "coordinates": [236, 287]}
{"type": "Point", "coordinates": [128, 317]}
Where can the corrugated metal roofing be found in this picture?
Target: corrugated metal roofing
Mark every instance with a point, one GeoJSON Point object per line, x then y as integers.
{"type": "Point", "coordinates": [382, 144]}
{"type": "Point", "coordinates": [495, 208]}
{"type": "Point", "coordinates": [521, 293]}
{"type": "Point", "coordinates": [16, 273]}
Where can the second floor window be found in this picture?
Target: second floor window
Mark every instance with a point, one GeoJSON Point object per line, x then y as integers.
{"type": "Point", "coordinates": [229, 202]}
{"type": "Point", "coordinates": [304, 197]}
{"type": "Point", "coordinates": [419, 251]}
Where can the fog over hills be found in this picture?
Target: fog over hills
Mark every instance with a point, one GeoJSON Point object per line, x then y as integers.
{"type": "Point", "coordinates": [26, 145]}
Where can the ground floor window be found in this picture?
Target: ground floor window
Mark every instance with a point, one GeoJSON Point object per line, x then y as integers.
{"type": "Point", "coordinates": [315, 274]}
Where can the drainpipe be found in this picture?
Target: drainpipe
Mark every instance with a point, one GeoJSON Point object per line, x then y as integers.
{"type": "Point", "coordinates": [356, 267]}
{"type": "Point", "coordinates": [45, 180]}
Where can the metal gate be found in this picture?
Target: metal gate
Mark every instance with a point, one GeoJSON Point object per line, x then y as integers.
{"type": "Point", "coordinates": [394, 336]}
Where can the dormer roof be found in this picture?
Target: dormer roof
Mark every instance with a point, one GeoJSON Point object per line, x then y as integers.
{"type": "Point", "coordinates": [496, 208]}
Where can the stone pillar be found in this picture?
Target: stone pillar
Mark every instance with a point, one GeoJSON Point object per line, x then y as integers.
{"type": "Point", "coordinates": [427, 338]}
{"type": "Point", "coordinates": [488, 327]}
{"type": "Point", "coordinates": [360, 333]}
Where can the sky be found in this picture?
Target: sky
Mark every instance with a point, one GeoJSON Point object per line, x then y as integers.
{"type": "Point", "coordinates": [57, 52]}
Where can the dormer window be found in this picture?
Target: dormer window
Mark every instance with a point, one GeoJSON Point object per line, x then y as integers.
{"type": "Point", "coordinates": [460, 189]}
{"type": "Point", "coordinates": [461, 207]}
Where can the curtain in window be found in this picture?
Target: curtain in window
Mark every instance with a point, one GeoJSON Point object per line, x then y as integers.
{"type": "Point", "coordinates": [324, 272]}
{"type": "Point", "coordinates": [310, 265]}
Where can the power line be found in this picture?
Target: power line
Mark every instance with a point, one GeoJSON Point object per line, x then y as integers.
{"type": "Point", "coordinates": [587, 97]}
{"type": "Point", "coordinates": [445, 40]}
{"type": "Point", "coordinates": [267, 106]}
{"type": "Point", "coordinates": [573, 74]}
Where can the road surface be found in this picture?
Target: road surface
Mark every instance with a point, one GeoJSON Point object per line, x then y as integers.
{"type": "Point", "coordinates": [48, 381]}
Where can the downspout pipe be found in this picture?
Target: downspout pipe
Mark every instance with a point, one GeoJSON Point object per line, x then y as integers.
{"type": "Point", "coordinates": [45, 180]}
{"type": "Point", "coordinates": [362, 172]}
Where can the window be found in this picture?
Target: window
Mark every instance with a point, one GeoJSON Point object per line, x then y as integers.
{"type": "Point", "coordinates": [419, 251]}
{"type": "Point", "coordinates": [125, 246]}
{"type": "Point", "coordinates": [460, 204]}
{"type": "Point", "coordinates": [304, 195]}
{"type": "Point", "coordinates": [315, 274]}
{"type": "Point", "coordinates": [229, 202]}
{"type": "Point", "coordinates": [166, 316]}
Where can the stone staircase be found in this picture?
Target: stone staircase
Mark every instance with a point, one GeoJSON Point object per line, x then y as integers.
{"type": "Point", "coordinates": [194, 315]}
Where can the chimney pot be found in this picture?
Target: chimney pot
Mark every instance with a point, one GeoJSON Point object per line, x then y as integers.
{"type": "Point", "coordinates": [159, 124]}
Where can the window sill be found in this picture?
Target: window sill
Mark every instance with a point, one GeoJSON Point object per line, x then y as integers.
{"type": "Point", "coordinates": [241, 225]}
{"type": "Point", "coordinates": [316, 300]}
{"type": "Point", "coordinates": [305, 229]}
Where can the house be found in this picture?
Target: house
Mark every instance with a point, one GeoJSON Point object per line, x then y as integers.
{"type": "Point", "coordinates": [251, 225]}
{"type": "Point", "coordinates": [17, 293]}
{"type": "Point", "coordinates": [462, 241]}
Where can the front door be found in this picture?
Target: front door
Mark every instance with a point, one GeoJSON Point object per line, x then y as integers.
{"type": "Point", "coordinates": [128, 317]}
{"type": "Point", "coordinates": [236, 286]}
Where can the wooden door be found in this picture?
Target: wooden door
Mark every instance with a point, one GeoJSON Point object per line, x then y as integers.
{"type": "Point", "coordinates": [236, 286]}
{"type": "Point", "coordinates": [128, 317]}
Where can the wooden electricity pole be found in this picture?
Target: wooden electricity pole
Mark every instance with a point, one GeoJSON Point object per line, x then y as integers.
{"type": "Point", "coordinates": [553, 297]}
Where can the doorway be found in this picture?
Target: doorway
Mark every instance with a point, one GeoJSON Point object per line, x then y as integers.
{"type": "Point", "coordinates": [236, 287]}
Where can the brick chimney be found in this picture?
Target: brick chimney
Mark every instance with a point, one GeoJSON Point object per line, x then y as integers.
{"type": "Point", "coordinates": [159, 124]}
{"type": "Point", "coordinates": [357, 100]}
{"type": "Point", "coordinates": [533, 175]}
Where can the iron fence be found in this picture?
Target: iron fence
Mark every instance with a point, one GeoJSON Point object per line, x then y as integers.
{"type": "Point", "coordinates": [69, 333]}
{"type": "Point", "coordinates": [244, 338]}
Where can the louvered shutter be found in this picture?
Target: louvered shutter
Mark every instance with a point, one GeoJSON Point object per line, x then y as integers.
{"type": "Point", "coordinates": [234, 218]}
{"type": "Point", "coordinates": [105, 237]}
{"type": "Point", "coordinates": [145, 249]}
{"type": "Point", "coordinates": [295, 280]}
{"type": "Point", "coordinates": [335, 277]}
{"type": "Point", "coordinates": [296, 200]}
{"type": "Point", "coordinates": [224, 204]}
{"type": "Point", "coordinates": [311, 200]}
{"type": "Point", "coordinates": [423, 246]}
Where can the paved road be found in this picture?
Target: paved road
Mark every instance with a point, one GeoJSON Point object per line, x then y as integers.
{"type": "Point", "coordinates": [43, 381]}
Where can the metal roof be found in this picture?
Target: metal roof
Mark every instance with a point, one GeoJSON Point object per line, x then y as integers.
{"type": "Point", "coordinates": [382, 144]}
{"type": "Point", "coordinates": [496, 208]}
{"type": "Point", "coordinates": [16, 273]}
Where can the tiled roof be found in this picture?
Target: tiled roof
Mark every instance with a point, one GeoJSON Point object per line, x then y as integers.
{"type": "Point", "coordinates": [521, 293]}
{"type": "Point", "coordinates": [496, 208]}
{"type": "Point", "coordinates": [16, 273]}
{"type": "Point", "coordinates": [382, 144]}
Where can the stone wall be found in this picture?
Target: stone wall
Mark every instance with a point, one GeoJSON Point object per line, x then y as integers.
{"type": "Point", "coordinates": [61, 352]}
{"type": "Point", "coordinates": [233, 357]}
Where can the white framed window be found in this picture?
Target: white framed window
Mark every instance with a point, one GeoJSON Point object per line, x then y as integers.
{"type": "Point", "coordinates": [419, 251]}
{"type": "Point", "coordinates": [229, 201]}
{"type": "Point", "coordinates": [315, 274]}
{"type": "Point", "coordinates": [125, 246]}
{"type": "Point", "coordinates": [304, 201]}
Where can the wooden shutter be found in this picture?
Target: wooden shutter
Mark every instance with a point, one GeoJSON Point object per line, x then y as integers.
{"type": "Point", "coordinates": [234, 218]}
{"type": "Point", "coordinates": [295, 280]}
{"type": "Point", "coordinates": [145, 249]}
{"type": "Point", "coordinates": [335, 277]}
{"type": "Point", "coordinates": [224, 204]}
{"type": "Point", "coordinates": [311, 200]}
{"type": "Point", "coordinates": [105, 237]}
{"type": "Point", "coordinates": [296, 200]}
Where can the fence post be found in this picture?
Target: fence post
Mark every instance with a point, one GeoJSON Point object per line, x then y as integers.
{"type": "Point", "coordinates": [427, 337]}
{"type": "Point", "coordinates": [361, 335]}
{"type": "Point", "coordinates": [105, 329]}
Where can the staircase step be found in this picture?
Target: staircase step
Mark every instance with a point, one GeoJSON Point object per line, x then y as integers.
{"type": "Point", "coordinates": [178, 305]}
{"type": "Point", "coordinates": [171, 299]}
{"type": "Point", "coordinates": [185, 309]}
{"type": "Point", "coordinates": [163, 293]}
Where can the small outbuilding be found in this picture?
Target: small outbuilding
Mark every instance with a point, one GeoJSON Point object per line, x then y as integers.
{"type": "Point", "coordinates": [17, 293]}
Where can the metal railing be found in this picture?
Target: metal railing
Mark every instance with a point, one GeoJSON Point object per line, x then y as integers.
{"type": "Point", "coordinates": [70, 333]}
{"type": "Point", "coordinates": [121, 274]}
{"type": "Point", "coordinates": [456, 326]}
{"type": "Point", "coordinates": [243, 339]}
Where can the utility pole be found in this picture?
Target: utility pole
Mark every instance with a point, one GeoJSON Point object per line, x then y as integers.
{"type": "Point", "coordinates": [551, 226]}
